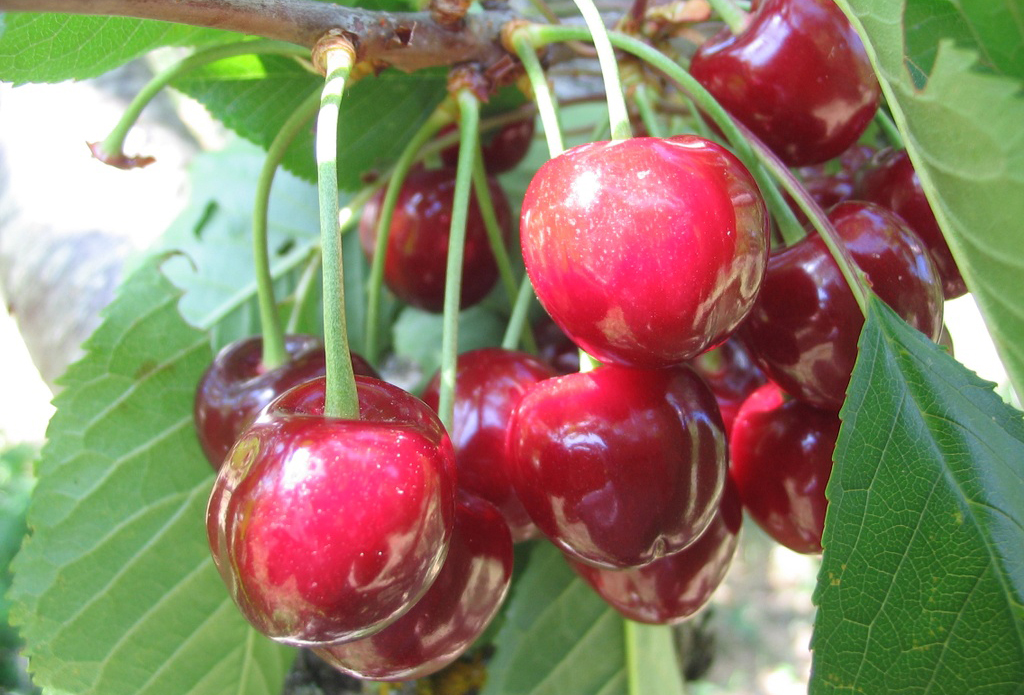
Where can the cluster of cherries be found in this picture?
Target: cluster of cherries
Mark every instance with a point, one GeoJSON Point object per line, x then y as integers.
{"type": "Point", "coordinates": [719, 366]}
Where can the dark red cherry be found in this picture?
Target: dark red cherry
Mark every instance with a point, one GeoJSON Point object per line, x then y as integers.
{"type": "Point", "coordinates": [731, 373]}
{"type": "Point", "coordinates": [781, 461]}
{"type": "Point", "coordinates": [555, 347]}
{"type": "Point", "coordinates": [488, 384]}
{"type": "Point", "coordinates": [451, 615]}
{"type": "Point", "coordinates": [833, 182]}
{"type": "Point", "coordinates": [890, 181]}
{"type": "Point", "coordinates": [417, 252]}
{"type": "Point", "coordinates": [804, 329]}
{"type": "Point", "coordinates": [503, 148]}
{"type": "Point", "coordinates": [619, 466]}
{"type": "Point", "coordinates": [798, 76]}
{"type": "Point", "coordinates": [237, 385]}
{"type": "Point", "coordinates": [675, 587]}
{"type": "Point", "coordinates": [328, 529]}
{"type": "Point", "coordinates": [646, 251]}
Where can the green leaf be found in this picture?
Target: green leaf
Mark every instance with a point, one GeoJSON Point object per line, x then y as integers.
{"type": "Point", "coordinates": [921, 586]}
{"type": "Point", "coordinates": [962, 126]}
{"type": "Point", "coordinates": [253, 95]}
{"type": "Point", "coordinates": [115, 590]}
{"type": "Point", "coordinates": [57, 47]}
{"type": "Point", "coordinates": [560, 637]}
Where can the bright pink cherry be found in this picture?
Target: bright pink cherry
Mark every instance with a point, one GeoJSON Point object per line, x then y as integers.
{"type": "Point", "coordinates": [804, 329]}
{"type": "Point", "coordinates": [328, 529]}
{"type": "Point", "coordinates": [237, 385]}
{"type": "Point", "coordinates": [798, 76]}
{"type": "Point", "coordinates": [417, 252]}
{"type": "Point", "coordinates": [781, 462]}
{"type": "Point", "coordinates": [673, 588]}
{"type": "Point", "coordinates": [645, 251]}
{"type": "Point", "coordinates": [891, 181]}
{"type": "Point", "coordinates": [619, 466]}
{"type": "Point", "coordinates": [488, 384]}
{"type": "Point", "coordinates": [451, 615]}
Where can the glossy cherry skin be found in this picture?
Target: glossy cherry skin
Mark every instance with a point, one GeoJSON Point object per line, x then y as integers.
{"type": "Point", "coordinates": [732, 374]}
{"type": "Point", "coordinates": [833, 182]}
{"type": "Point", "coordinates": [452, 614]}
{"type": "Point", "coordinates": [673, 588]}
{"type": "Point", "coordinates": [417, 250]}
{"type": "Point", "coordinates": [488, 384]}
{"type": "Point", "coordinates": [502, 149]}
{"type": "Point", "coordinates": [890, 181]}
{"type": "Point", "coordinates": [646, 251]}
{"type": "Point", "coordinates": [805, 326]}
{"type": "Point", "coordinates": [781, 461]}
{"type": "Point", "coordinates": [798, 76]}
{"type": "Point", "coordinates": [237, 385]}
{"type": "Point", "coordinates": [327, 529]}
{"type": "Point", "coordinates": [618, 466]}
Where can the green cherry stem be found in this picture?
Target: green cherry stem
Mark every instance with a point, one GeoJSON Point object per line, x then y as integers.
{"type": "Point", "coordinates": [341, 399]}
{"type": "Point", "coordinates": [523, 46]}
{"type": "Point", "coordinates": [889, 129]}
{"type": "Point", "coordinates": [469, 124]}
{"type": "Point", "coordinates": [303, 291]}
{"type": "Point", "coordinates": [375, 283]}
{"type": "Point", "coordinates": [274, 353]}
{"type": "Point", "coordinates": [517, 320]}
{"type": "Point", "coordinates": [642, 98]}
{"type": "Point", "coordinates": [618, 116]}
{"type": "Point", "coordinates": [111, 149]}
{"type": "Point", "coordinates": [731, 13]}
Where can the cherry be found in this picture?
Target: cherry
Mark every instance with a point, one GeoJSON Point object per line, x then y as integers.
{"type": "Point", "coordinates": [502, 149]}
{"type": "Point", "coordinates": [804, 328]}
{"type": "Point", "coordinates": [619, 466]}
{"type": "Point", "coordinates": [798, 76]}
{"type": "Point", "coordinates": [555, 347]}
{"type": "Point", "coordinates": [675, 587]}
{"type": "Point", "coordinates": [731, 373]}
{"type": "Point", "coordinates": [237, 385]}
{"type": "Point", "coordinates": [890, 181]}
{"type": "Point", "coordinates": [646, 251]}
{"type": "Point", "coordinates": [451, 615]}
{"type": "Point", "coordinates": [327, 529]}
{"type": "Point", "coordinates": [781, 461]}
{"type": "Point", "coordinates": [417, 250]}
{"type": "Point", "coordinates": [833, 182]}
{"type": "Point", "coordinates": [488, 384]}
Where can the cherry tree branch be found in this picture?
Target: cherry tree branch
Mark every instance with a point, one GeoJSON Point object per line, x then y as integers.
{"type": "Point", "coordinates": [408, 41]}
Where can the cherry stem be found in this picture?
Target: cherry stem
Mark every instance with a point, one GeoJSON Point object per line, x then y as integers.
{"type": "Point", "coordinates": [630, 639]}
{"type": "Point", "coordinates": [517, 320]}
{"type": "Point", "coordinates": [642, 99]}
{"type": "Point", "coordinates": [303, 289]}
{"type": "Point", "coordinates": [341, 400]}
{"type": "Point", "coordinates": [274, 353]}
{"type": "Point", "coordinates": [113, 145]}
{"type": "Point", "coordinates": [889, 129]}
{"type": "Point", "coordinates": [469, 135]}
{"type": "Point", "coordinates": [437, 120]}
{"type": "Point", "coordinates": [732, 14]}
{"type": "Point", "coordinates": [617, 113]}
{"type": "Point", "coordinates": [482, 191]}
{"type": "Point", "coordinates": [523, 45]}
{"type": "Point", "coordinates": [540, 35]}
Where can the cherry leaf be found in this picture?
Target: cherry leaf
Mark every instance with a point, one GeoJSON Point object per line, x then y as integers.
{"type": "Point", "coordinates": [921, 586]}
{"type": "Point", "coordinates": [559, 637]}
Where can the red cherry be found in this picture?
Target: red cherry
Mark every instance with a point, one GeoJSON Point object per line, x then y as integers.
{"type": "Point", "coordinates": [451, 615]}
{"type": "Point", "coordinates": [781, 461]}
{"type": "Point", "coordinates": [555, 347]}
{"type": "Point", "coordinates": [798, 76]}
{"type": "Point", "coordinates": [646, 252]}
{"type": "Point", "coordinates": [237, 385]}
{"type": "Point", "coordinates": [833, 182]}
{"type": "Point", "coordinates": [619, 466]}
{"type": "Point", "coordinates": [488, 384]}
{"type": "Point", "coordinates": [502, 149]}
{"type": "Point", "coordinates": [731, 373]}
{"type": "Point", "coordinates": [417, 251]}
{"type": "Point", "coordinates": [675, 587]}
{"type": "Point", "coordinates": [890, 181]}
{"type": "Point", "coordinates": [805, 326]}
{"type": "Point", "coordinates": [327, 529]}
